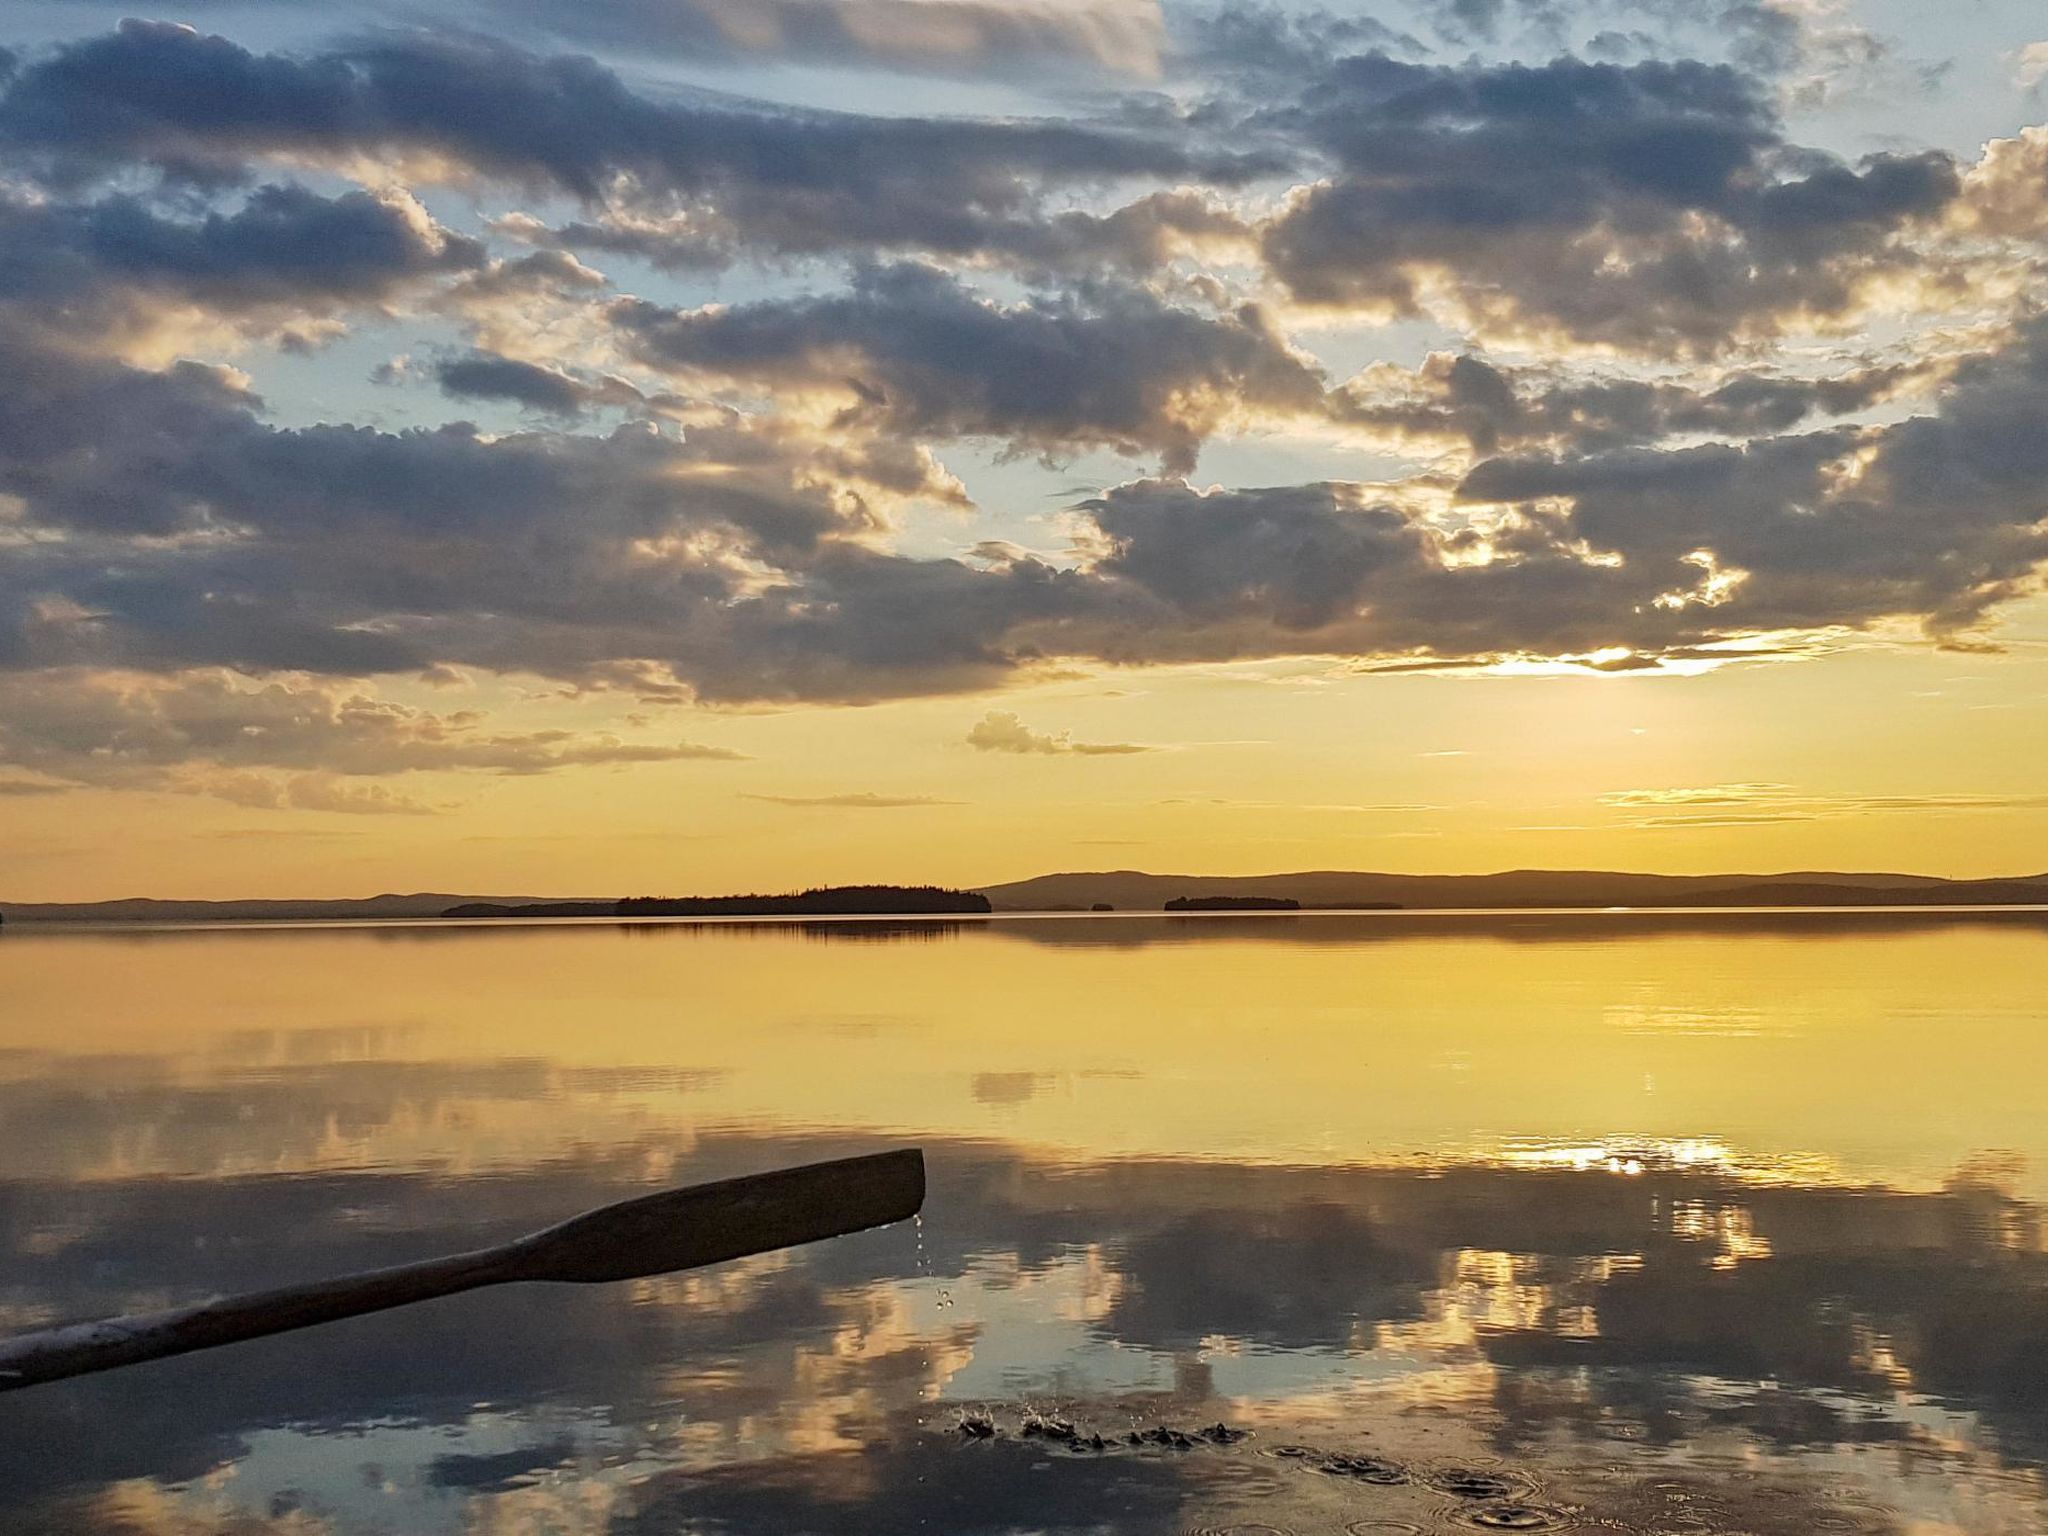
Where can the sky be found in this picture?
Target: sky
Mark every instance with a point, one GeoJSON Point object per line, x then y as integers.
{"type": "Point", "coordinates": [701, 445]}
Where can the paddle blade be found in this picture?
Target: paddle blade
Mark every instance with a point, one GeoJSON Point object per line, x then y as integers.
{"type": "Point", "coordinates": [709, 1223]}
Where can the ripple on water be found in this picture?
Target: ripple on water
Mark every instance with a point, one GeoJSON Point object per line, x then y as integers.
{"type": "Point", "coordinates": [1845, 1514]}
{"type": "Point", "coordinates": [1517, 1517]}
{"type": "Point", "coordinates": [1466, 1482]}
{"type": "Point", "coordinates": [1239, 1530]}
{"type": "Point", "coordinates": [1365, 1469]}
{"type": "Point", "coordinates": [1382, 1528]}
{"type": "Point", "coordinates": [1292, 1452]}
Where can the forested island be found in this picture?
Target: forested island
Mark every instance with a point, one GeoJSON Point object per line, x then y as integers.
{"type": "Point", "coordinates": [822, 901]}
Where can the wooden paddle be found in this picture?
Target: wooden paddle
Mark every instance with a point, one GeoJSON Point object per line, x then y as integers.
{"type": "Point", "coordinates": [653, 1235]}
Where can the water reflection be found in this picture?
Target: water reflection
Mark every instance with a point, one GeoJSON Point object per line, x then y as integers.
{"type": "Point", "coordinates": [1582, 1331]}
{"type": "Point", "coordinates": [1583, 1319]}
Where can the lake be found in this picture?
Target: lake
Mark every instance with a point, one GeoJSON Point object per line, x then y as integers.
{"type": "Point", "coordinates": [1673, 1223]}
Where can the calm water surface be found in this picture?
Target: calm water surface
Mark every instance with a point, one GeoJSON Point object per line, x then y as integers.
{"type": "Point", "coordinates": [1677, 1224]}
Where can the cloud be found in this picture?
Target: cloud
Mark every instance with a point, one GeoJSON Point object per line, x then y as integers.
{"type": "Point", "coordinates": [285, 743]}
{"type": "Point", "coordinates": [1652, 207]}
{"type": "Point", "coordinates": [1812, 53]}
{"type": "Point", "coordinates": [462, 109]}
{"type": "Point", "coordinates": [754, 529]}
{"type": "Point", "coordinates": [1001, 731]}
{"type": "Point", "coordinates": [1939, 516]}
{"type": "Point", "coordinates": [551, 391]}
{"type": "Point", "coordinates": [1261, 48]}
{"type": "Point", "coordinates": [1296, 558]}
{"type": "Point", "coordinates": [398, 550]}
{"type": "Point", "coordinates": [912, 351]}
{"type": "Point", "coordinates": [297, 792]}
{"type": "Point", "coordinates": [1461, 397]}
{"type": "Point", "coordinates": [284, 263]}
{"type": "Point", "coordinates": [2030, 66]}
{"type": "Point", "coordinates": [1720, 805]}
{"type": "Point", "coordinates": [965, 37]}
{"type": "Point", "coordinates": [863, 801]}
{"type": "Point", "coordinates": [23, 788]}
{"type": "Point", "coordinates": [740, 559]}
{"type": "Point", "coordinates": [1137, 238]}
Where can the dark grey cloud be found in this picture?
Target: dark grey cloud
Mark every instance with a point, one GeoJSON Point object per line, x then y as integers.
{"type": "Point", "coordinates": [1654, 207]}
{"type": "Point", "coordinates": [160, 522]}
{"type": "Point", "coordinates": [1472, 20]}
{"type": "Point", "coordinates": [1298, 557]}
{"type": "Point", "coordinates": [175, 528]}
{"type": "Point", "coordinates": [285, 258]}
{"type": "Point", "coordinates": [485, 376]}
{"type": "Point", "coordinates": [1337, 569]}
{"type": "Point", "coordinates": [1567, 196]}
{"type": "Point", "coordinates": [1464, 398]}
{"type": "Point", "coordinates": [1940, 517]}
{"type": "Point", "coordinates": [1137, 237]}
{"type": "Point", "coordinates": [1808, 56]}
{"type": "Point", "coordinates": [738, 563]}
{"type": "Point", "coordinates": [552, 391]}
{"type": "Point", "coordinates": [1271, 46]}
{"type": "Point", "coordinates": [99, 447]}
{"type": "Point", "coordinates": [920, 354]}
{"type": "Point", "coordinates": [194, 106]}
{"type": "Point", "coordinates": [1937, 520]}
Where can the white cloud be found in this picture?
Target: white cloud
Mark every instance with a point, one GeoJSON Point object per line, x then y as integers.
{"type": "Point", "coordinates": [2030, 65]}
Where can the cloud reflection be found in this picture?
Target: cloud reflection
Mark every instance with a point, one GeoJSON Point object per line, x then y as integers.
{"type": "Point", "coordinates": [1550, 1318]}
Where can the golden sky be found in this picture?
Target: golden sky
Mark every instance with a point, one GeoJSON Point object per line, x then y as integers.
{"type": "Point", "coordinates": [719, 456]}
{"type": "Point", "coordinates": [1877, 758]}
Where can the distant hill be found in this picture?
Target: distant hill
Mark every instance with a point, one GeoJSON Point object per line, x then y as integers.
{"type": "Point", "coordinates": [534, 909]}
{"type": "Point", "coordinates": [1125, 890]}
{"type": "Point", "coordinates": [1131, 889]}
{"type": "Point", "coordinates": [888, 900]}
{"type": "Point", "coordinates": [150, 909]}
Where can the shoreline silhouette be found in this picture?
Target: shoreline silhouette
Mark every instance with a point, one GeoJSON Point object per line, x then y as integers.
{"type": "Point", "coordinates": [1122, 892]}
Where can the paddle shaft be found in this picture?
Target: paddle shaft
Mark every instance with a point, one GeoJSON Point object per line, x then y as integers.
{"type": "Point", "coordinates": [654, 1234]}
{"type": "Point", "coordinates": [114, 1341]}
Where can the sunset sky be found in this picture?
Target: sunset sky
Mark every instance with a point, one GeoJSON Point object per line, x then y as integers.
{"type": "Point", "coordinates": [695, 445]}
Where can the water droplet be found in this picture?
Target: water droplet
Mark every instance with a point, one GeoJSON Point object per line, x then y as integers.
{"type": "Point", "coordinates": [1517, 1517]}
{"type": "Point", "coordinates": [1468, 1483]}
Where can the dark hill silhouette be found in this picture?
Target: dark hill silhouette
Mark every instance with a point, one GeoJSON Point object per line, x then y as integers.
{"type": "Point", "coordinates": [151, 909]}
{"type": "Point", "coordinates": [1136, 889]}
